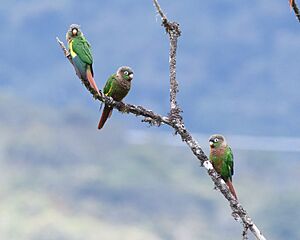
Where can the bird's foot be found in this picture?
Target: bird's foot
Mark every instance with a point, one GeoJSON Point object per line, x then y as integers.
{"type": "Point", "coordinates": [123, 108]}
{"type": "Point", "coordinates": [97, 94]}
{"type": "Point", "coordinates": [109, 100]}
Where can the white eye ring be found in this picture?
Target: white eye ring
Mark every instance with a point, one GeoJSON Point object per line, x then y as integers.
{"type": "Point", "coordinates": [216, 140]}
{"type": "Point", "coordinates": [126, 73]}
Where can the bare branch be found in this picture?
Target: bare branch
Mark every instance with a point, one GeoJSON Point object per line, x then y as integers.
{"type": "Point", "coordinates": [157, 6]}
{"type": "Point", "coordinates": [150, 116]}
{"type": "Point", "coordinates": [295, 8]}
{"type": "Point", "coordinates": [176, 122]}
{"type": "Point", "coordinates": [172, 28]}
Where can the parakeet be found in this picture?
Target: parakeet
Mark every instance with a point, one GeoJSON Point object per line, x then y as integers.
{"type": "Point", "coordinates": [221, 158]}
{"type": "Point", "coordinates": [81, 54]}
{"type": "Point", "coordinates": [117, 86]}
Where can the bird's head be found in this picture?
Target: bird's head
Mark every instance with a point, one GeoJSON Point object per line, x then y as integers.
{"type": "Point", "coordinates": [125, 73]}
{"type": "Point", "coordinates": [73, 31]}
{"type": "Point", "coordinates": [216, 141]}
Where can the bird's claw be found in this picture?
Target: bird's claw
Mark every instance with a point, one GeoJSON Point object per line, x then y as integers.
{"type": "Point", "coordinates": [110, 100]}
{"type": "Point", "coordinates": [123, 108]}
{"type": "Point", "coordinates": [97, 94]}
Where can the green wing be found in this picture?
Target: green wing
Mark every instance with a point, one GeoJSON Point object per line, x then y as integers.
{"type": "Point", "coordinates": [108, 86]}
{"type": "Point", "coordinates": [83, 49]}
{"type": "Point", "coordinates": [229, 162]}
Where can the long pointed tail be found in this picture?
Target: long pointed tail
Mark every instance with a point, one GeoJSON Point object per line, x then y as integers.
{"type": "Point", "coordinates": [91, 80]}
{"type": "Point", "coordinates": [231, 188]}
{"type": "Point", "coordinates": [291, 3]}
{"type": "Point", "coordinates": [106, 114]}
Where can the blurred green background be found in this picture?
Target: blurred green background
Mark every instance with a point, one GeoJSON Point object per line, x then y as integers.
{"type": "Point", "coordinates": [61, 179]}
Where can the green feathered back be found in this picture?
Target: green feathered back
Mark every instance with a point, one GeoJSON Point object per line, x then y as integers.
{"type": "Point", "coordinates": [108, 85]}
{"type": "Point", "coordinates": [83, 49]}
{"type": "Point", "coordinates": [228, 166]}
{"type": "Point", "coordinates": [116, 88]}
{"type": "Point", "coordinates": [222, 161]}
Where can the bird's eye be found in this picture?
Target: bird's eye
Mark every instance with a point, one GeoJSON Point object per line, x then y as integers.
{"type": "Point", "coordinates": [126, 73]}
{"type": "Point", "coordinates": [216, 140]}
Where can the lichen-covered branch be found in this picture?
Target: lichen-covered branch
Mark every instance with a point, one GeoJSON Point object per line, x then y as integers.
{"type": "Point", "coordinates": [172, 28]}
{"type": "Point", "coordinates": [149, 116]}
{"type": "Point", "coordinates": [296, 9]}
{"type": "Point", "coordinates": [238, 211]}
{"type": "Point", "coordinates": [174, 32]}
{"type": "Point", "coordinates": [175, 120]}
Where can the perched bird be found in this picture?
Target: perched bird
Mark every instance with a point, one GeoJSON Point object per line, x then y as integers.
{"type": "Point", "coordinates": [81, 54]}
{"type": "Point", "coordinates": [221, 158]}
{"type": "Point", "coordinates": [117, 86]}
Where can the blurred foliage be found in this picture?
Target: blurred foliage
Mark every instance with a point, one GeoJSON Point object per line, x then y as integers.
{"type": "Point", "coordinates": [63, 179]}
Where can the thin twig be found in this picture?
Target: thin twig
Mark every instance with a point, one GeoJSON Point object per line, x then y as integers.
{"type": "Point", "coordinates": [173, 29]}
{"type": "Point", "coordinates": [296, 9]}
{"type": "Point", "coordinates": [161, 13]}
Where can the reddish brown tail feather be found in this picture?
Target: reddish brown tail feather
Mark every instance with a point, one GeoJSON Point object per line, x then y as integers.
{"type": "Point", "coordinates": [291, 3]}
{"type": "Point", "coordinates": [107, 111]}
{"type": "Point", "coordinates": [91, 80]}
{"type": "Point", "coordinates": [231, 188]}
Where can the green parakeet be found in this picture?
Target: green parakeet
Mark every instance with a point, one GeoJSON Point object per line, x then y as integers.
{"type": "Point", "coordinates": [221, 158]}
{"type": "Point", "coordinates": [81, 54]}
{"type": "Point", "coordinates": [117, 86]}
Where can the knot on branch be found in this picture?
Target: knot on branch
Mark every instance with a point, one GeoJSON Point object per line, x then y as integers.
{"type": "Point", "coordinates": [172, 28]}
{"type": "Point", "coordinates": [245, 232]}
{"type": "Point", "coordinates": [152, 122]}
{"type": "Point", "coordinates": [176, 119]}
{"type": "Point", "coordinates": [175, 113]}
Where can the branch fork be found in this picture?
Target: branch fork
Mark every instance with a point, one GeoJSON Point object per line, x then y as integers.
{"type": "Point", "coordinates": [175, 120]}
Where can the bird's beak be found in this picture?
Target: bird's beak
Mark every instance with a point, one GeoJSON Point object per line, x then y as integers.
{"type": "Point", "coordinates": [211, 143]}
{"type": "Point", "coordinates": [74, 31]}
{"type": "Point", "coordinates": [131, 76]}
